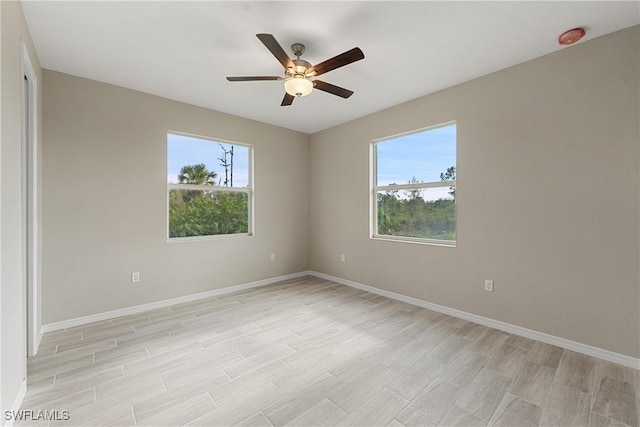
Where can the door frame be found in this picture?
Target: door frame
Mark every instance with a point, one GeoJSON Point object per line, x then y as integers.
{"type": "Point", "coordinates": [30, 204]}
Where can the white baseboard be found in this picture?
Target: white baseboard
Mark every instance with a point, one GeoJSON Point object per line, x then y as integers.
{"type": "Point", "coordinates": [610, 356]}
{"type": "Point", "coordinates": [78, 321]}
{"type": "Point", "coordinates": [22, 392]}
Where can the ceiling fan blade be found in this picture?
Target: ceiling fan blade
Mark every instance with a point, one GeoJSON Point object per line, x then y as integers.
{"type": "Point", "coordinates": [332, 89]}
{"type": "Point", "coordinates": [338, 61]}
{"type": "Point", "coordinates": [287, 100]}
{"type": "Point", "coordinates": [274, 47]}
{"type": "Point", "coordinates": [253, 78]}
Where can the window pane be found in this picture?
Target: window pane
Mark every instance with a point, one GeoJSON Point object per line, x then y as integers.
{"type": "Point", "coordinates": [421, 212]}
{"type": "Point", "coordinates": [193, 160]}
{"type": "Point", "coordinates": [207, 213]}
{"type": "Point", "coordinates": [417, 157]}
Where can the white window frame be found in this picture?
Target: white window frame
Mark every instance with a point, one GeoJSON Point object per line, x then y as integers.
{"type": "Point", "coordinates": [249, 190]}
{"type": "Point", "coordinates": [374, 189]}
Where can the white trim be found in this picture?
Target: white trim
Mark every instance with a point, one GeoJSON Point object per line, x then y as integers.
{"type": "Point", "coordinates": [206, 237]}
{"type": "Point", "coordinates": [214, 188]}
{"type": "Point", "coordinates": [78, 321]}
{"type": "Point", "coordinates": [600, 353]}
{"type": "Point", "coordinates": [373, 193]}
{"type": "Point", "coordinates": [17, 403]}
{"type": "Point", "coordinates": [418, 240]}
{"type": "Point", "coordinates": [412, 186]}
{"type": "Point", "coordinates": [30, 148]}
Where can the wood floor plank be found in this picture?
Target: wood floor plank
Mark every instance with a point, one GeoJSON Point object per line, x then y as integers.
{"type": "Point", "coordinates": [617, 400]}
{"type": "Point", "coordinates": [484, 394]}
{"type": "Point", "coordinates": [598, 420]}
{"type": "Point", "coordinates": [471, 331]}
{"type": "Point", "coordinates": [55, 365]}
{"type": "Point", "coordinates": [151, 407]}
{"type": "Point", "coordinates": [508, 360]}
{"type": "Point", "coordinates": [323, 413]}
{"type": "Point", "coordinates": [285, 410]}
{"type": "Point", "coordinates": [354, 393]}
{"type": "Point", "coordinates": [612, 370]}
{"type": "Point", "coordinates": [235, 411]}
{"type": "Point", "coordinates": [545, 354]}
{"type": "Point", "coordinates": [213, 353]}
{"type": "Point", "coordinates": [61, 391]}
{"type": "Point", "coordinates": [514, 411]}
{"type": "Point", "coordinates": [463, 368]}
{"type": "Point", "coordinates": [82, 372]}
{"type": "Point", "coordinates": [377, 411]}
{"type": "Point", "coordinates": [566, 406]}
{"type": "Point", "coordinates": [181, 413]}
{"type": "Point", "coordinates": [449, 348]}
{"type": "Point", "coordinates": [533, 383]}
{"type": "Point", "coordinates": [430, 406]}
{"type": "Point", "coordinates": [158, 370]}
{"type": "Point", "coordinates": [576, 370]}
{"type": "Point", "coordinates": [489, 342]}
{"type": "Point", "coordinates": [118, 352]}
{"type": "Point", "coordinates": [113, 406]}
{"type": "Point", "coordinates": [256, 420]}
{"type": "Point", "coordinates": [236, 389]}
{"type": "Point", "coordinates": [40, 384]}
{"type": "Point", "coordinates": [265, 357]}
{"type": "Point", "coordinates": [303, 377]}
{"type": "Point", "coordinates": [417, 377]}
{"type": "Point", "coordinates": [106, 337]}
{"type": "Point", "coordinates": [130, 391]}
{"type": "Point", "coordinates": [458, 417]}
{"type": "Point", "coordinates": [157, 360]}
{"type": "Point", "coordinates": [211, 377]}
{"type": "Point", "coordinates": [67, 401]}
{"type": "Point", "coordinates": [521, 342]}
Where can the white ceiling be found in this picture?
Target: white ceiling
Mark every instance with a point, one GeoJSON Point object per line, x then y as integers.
{"type": "Point", "coordinates": [184, 50]}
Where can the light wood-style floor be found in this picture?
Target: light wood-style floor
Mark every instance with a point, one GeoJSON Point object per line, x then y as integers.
{"type": "Point", "coordinates": [311, 352]}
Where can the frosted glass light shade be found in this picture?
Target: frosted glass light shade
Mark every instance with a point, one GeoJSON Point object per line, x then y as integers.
{"type": "Point", "coordinates": [298, 86]}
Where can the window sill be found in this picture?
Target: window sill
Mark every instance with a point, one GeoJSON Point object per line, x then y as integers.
{"type": "Point", "coordinates": [206, 238]}
{"type": "Point", "coordinates": [415, 240]}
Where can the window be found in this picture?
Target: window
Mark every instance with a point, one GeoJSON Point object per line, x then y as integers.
{"type": "Point", "coordinates": [413, 194]}
{"type": "Point", "coordinates": [208, 187]}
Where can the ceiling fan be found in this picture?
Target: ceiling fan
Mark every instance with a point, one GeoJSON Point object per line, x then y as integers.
{"type": "Point", "coordinates": [298, 72]}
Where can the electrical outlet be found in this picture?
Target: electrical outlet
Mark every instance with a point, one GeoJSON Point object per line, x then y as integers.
{"type": "Point", "coordinates": [488, 285]}
{"type": "Point", "coordinates": [273, 257]}
{"type": "Point", "coordinates": [135, 277]}
{"type": "Point", "coordinates": [343, 258]}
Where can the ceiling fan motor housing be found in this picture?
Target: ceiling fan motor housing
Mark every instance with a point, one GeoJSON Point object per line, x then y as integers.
{"type": "Point", "coordinates": [301, 67]}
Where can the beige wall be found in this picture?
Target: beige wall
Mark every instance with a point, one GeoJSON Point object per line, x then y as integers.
{"type": "Point", "coordinates": [14, 31]}
{"type": "Point", "coordinates": [548, 197]}
{"type": "Point", "coordinates": [105, 212]}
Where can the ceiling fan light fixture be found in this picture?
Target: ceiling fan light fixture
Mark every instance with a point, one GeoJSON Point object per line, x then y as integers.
{"type": "Point", "coordinates": [298, 85]}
